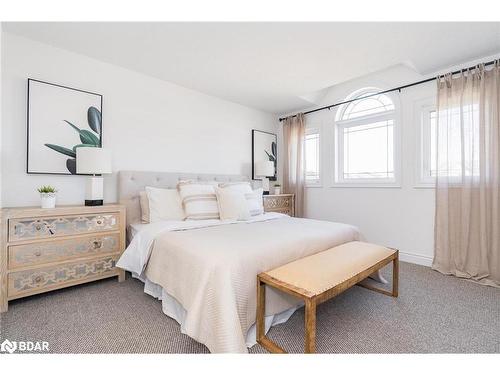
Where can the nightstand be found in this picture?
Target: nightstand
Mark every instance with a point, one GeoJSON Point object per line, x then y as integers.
{"type": "Point", "coordinates": [283, 203]}
{"type": "Point", "coordinates": [48, 249]}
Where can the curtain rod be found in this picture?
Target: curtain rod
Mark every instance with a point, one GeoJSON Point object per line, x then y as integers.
{"type": "Point", "coordinates": [385, 91]}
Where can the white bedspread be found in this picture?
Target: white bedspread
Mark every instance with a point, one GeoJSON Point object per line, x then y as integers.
{"type": "Point", "coordinates": [210, 268]}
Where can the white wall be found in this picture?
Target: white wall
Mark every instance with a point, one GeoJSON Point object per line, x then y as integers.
{"type": "Point", "coordinates": [397, 217]}
{"type": "Point", "coordinates": [149, 124]}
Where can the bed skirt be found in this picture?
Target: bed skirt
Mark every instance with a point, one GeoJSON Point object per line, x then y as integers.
{"type": "Point", "coordinates": [173, 309]}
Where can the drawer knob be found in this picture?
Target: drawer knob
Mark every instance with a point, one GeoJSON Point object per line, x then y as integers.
{"type": "Point", "coordinates": [38, 253]}
{"type": "Point", "coordinates": [97, 244]}
{"type": "Point", "coordinates": [38, 279]}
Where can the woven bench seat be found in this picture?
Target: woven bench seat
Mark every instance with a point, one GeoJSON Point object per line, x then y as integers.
{"type": "Point", "coordinates": [322, 276]}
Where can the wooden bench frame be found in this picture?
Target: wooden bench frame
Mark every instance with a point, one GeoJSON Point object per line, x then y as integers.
{"type": "Point", "coordinates": [312, 300]}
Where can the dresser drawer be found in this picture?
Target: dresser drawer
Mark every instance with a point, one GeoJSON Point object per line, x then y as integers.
{"type": "Point", "coordinates": [45, 227]}
{"type": "Point", "coordinates": [62, 249]}
{"type": "Point", "coordinates": [47, 278]}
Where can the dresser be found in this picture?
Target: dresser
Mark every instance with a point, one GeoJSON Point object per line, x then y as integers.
{"type": "Point", "coordinates": [283, 203]}
{"type": "Point", "coordinates": [47, 249]}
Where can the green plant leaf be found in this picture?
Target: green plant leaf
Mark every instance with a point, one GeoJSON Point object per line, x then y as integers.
{"type": "Point", "coordinates": [89, 138]}
{"type": "Point", "coordinates": [82, 145]}
{"type": "Point", "coordinates": [47, 189]}
{"type": "Point", "coordinates": [73, 126]}
{"type": "Point", "coordinates": [86, 136]}
{"type": "Point", "coordinates": [71, 165]}
{"type": "Point", "coordinates": [62, 150]}
{"type": "Point", "coordinates": [94, 119]}
{"type": "Point", "coordinates": [271, 157]}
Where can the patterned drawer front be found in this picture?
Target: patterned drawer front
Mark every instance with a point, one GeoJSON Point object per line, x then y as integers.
{"type": "Point", "coordinates": [59, 250]}
{"type": "Point", "coordinates": [44, 227]}
{"type": "Point", "coordinates": [282, 204]}
{"type": "Point", "coordinates": [56, 276]}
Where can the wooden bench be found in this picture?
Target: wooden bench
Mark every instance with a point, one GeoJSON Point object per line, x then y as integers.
{"type": "Point", "coordinates": [320, 277]}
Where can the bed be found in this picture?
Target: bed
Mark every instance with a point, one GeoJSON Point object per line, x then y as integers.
{"type": "Point", "coordinates": [204, 272]}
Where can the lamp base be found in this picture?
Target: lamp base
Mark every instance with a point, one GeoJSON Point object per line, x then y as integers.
{"type": "Point", "coordinates": [265, 185]}
{"type": "Point", "coordinates": [94, 191]}
{"type": "Point", "coordinates": [93, 202]}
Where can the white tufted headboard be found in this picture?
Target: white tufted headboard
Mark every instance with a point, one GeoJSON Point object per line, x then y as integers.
{"type": "Point", "coordinates": [130, 183]}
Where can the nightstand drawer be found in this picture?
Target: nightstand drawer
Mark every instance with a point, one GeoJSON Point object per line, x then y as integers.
{"type": "Point", "coordinates": [283, 203]}
{"type": "Point", "coordinates": [62, 249]}
{"type": "Point", "coordinates": [45, 227]}
{"type": "Point", "coordinates": [39, 280]}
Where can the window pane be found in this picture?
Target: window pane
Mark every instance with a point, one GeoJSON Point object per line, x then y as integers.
{"type": "Point", "coordinates": [458, 138]}
{"type": "Point", "coordinates": [369, 106]}
{"type": "Point", "coordinates": [369, 150]}
{"type": "Point", "coordinates": [312, 157]}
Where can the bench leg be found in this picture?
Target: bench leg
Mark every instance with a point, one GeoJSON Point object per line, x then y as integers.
{"type": "Point", "coordinates": [261, 318]}
{"type": "Point", "coordinates": [395, 280]}
{"type": "Point", "coordinates": [395, 276]}
{"type": "Point", "coordinates": [310, 326]}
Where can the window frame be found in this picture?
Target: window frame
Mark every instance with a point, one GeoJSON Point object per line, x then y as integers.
{"type": "Point", "coordinates": [422, 110]}
{"type": "Point", "coordinates": [423, 179]}
{"type": "Point", "coordinates": [339, 125]}
{"type": "Point", "coordinates": [309, 131]}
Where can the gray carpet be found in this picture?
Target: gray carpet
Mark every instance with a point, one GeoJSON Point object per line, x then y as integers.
{"type": "Point", "coordinates": [433, 314]}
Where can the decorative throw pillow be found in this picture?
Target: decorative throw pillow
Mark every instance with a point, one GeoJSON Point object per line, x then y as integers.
{"type": "Point", "coordinates": [144, 203]}
{"type": "Point", "coordinates": [233, 205]}
{"type": "Point", "coordinates": [242, 186]}
{"type": "Point", "coordinates": [164, 204]}
{"type": "Point", "coordinates": [254, 197]}
{"type": "Point", "coordinates": [255, 202]}
{"type": "Point", "coordinates": [199, 200]}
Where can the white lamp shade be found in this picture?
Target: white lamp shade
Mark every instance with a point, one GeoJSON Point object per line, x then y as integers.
{"type": "Point", "coordinates": [93, 160]}
{"type": "Point", "coordinates": [264, 169]}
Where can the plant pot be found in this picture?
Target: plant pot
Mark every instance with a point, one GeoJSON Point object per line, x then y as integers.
{"type": "Point", "coordinates": [277, 190]}
{"type": "Point", "coordinates": [48, 200]}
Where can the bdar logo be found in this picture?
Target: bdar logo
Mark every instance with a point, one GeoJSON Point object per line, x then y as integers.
{"type": "Point", "coordinates": [8, 346]}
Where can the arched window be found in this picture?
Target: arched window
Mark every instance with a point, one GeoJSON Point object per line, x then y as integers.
{"type": "Point", "coordinates": [366, 139]}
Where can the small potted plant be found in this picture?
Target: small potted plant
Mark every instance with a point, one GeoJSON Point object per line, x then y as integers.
{"type": "Point", "coordinates": [47, 196]}
{"type": "Point", "coordinates": [277, 189]}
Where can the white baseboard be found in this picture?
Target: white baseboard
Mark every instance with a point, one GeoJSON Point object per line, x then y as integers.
{"type": "Point", "coordinates": [416, 259]}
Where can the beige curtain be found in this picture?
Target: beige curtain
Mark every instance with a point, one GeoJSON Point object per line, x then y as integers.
{"type": "Point", "coordinates": [293, 160]}
{"type": "Point", "coordinates": [467, 224]}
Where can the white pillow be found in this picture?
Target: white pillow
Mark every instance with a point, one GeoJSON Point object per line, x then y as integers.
{"type": "Point", "coordinates": [199, 200]}
{"type": "Point", "coordinates": [254, 197]}
{"type": "Point", "coordinates": [255, 202]}
{"type": "Point", "coordinates": [241, 187]}
{"type": "Point", "coordinates": [233, 205]}
{"type": "Point", "coordinates": [164, 204]}
{"type": "Point", "coordinates": [144, 203]}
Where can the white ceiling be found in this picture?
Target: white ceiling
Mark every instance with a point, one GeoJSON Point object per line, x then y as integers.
{"type": "Point", "coordinates": [275, 67]}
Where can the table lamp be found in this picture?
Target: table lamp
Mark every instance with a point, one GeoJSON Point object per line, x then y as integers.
{"type": "Point", "coordinates": [264, 169]}
{"type": "Point", "coordinates": [93, 161]}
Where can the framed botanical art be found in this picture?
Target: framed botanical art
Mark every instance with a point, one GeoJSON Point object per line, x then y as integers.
{"type": "Point", "coordinates": [264, 148]}
{"type": "Point", "coordinates": [59, 120]}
